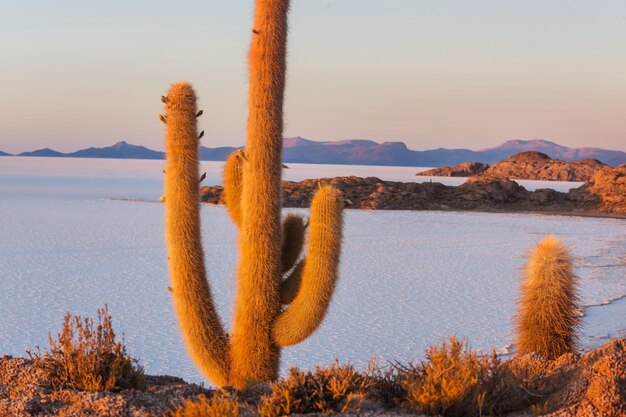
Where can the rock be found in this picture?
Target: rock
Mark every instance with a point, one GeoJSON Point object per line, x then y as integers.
{"type": "Point", "coordinates": [539, 166]}
{"type": "Point", "coordinates": [609, 186]}
{"type": "Point", "coordinates": [465, 169]}
{"type": "Point", "coordinates": [605, 195]}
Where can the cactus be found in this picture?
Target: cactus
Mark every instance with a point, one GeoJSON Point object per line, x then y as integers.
{"type": "Point", "coordinates": [268, 248]}
{"type": "Point", "coordinates": [547, 320]}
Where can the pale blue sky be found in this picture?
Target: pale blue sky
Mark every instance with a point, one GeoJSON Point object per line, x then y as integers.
{"type": "Point", "coordinates": [431, 73]}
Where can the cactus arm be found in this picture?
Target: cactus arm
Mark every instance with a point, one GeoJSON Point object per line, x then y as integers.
{"type": "Point", "coordinates": [232, 185]}
{"type": "Point", "coordinates": [319, 274]}
{"type": "Point", "coordinates": [293, 241]}
{"type": "Point", "coordinates": [200, 325]}
{"type": "Point", "coordinates": [290, 286]}
{"type": "Point", "coordinates": [254, 356]}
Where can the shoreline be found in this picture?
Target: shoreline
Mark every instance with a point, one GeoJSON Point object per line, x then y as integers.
{"type": "Point", "coordinates": [597, 215]}
{"type": "Point", "coordinates": [603, 199]}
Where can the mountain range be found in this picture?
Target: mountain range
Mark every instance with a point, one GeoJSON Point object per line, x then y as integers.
{"type": "Point", "coordinates": [361, 152]}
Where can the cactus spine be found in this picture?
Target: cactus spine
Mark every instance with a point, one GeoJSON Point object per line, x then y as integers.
{"type": "Point", "coordinates": [268, 248]}
{"type": "Point", "coordinates": [547, 318]}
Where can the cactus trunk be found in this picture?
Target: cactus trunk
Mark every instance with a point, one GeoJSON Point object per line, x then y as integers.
{"type": "Point", "coordinates": [255, 357]}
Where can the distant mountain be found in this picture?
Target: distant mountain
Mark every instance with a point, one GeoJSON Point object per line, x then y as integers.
{"type": "Point", "coordinates": [120, 150]}
{"type": "Point", "coordinates": [215, 154]}
{"type": "Point", "coordinates": [4, 154]}
{"type": "Point", "coordinates": [364, 152]}
{"type": "Point", "coordinates": [367, 152]}
{"type": "Point", "coordinates": [42, 152]}
{"type": "Point", "coordinates": [555, 151]}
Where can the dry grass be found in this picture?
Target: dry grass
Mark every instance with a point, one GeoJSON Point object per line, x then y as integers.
{"type": "Point", "coordinates": [326, 390]}
{"type": "Point", "coordinates": [87, 356]}
{"type": "Point", "coordinates": [221, 404]}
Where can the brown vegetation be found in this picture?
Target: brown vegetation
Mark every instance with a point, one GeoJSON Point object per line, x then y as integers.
{"type": "Point", "coordinates": [453, 380]}
{"type": "Point", "coordinates": [88, 357]}
{"type": "Point", "coordinates": [326, 390]}
{"type": "Point", "coordinates": [221, 404]}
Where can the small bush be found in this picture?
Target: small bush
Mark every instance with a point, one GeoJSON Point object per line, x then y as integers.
{"type": "Point", "coordinates": [386, 385]}
{"type": "Point", "coordinates": [221, 404]}
{"type": "Point", "coordinates": [452, 381]}
{"type": "Point", "coordinates": [87, 357]}
{"type": "Point", "coordinates": [325, 390]}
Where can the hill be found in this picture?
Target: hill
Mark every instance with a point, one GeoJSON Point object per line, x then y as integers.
{"type": "Point", "coordinates": [122, 149]}
{"type": "Point", "coordinates": [533, 165]}
{"type": "Point", "coordinates": [529, 165]}
{"type": "Point", "coordinates": [364, 152]}
{"type": "Point", "coordinates": [42, 152]}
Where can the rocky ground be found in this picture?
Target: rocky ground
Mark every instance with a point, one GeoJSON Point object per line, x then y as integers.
{"type": "Point", "coordinates": [524, 166]}
{"type": "Point", "coordinates": [593, 384]}
{"type": "Point", "coordinates": [604, 194]}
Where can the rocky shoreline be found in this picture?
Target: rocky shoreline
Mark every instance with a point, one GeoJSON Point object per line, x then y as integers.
{"type": "Point", "coordinates": [604, 195]}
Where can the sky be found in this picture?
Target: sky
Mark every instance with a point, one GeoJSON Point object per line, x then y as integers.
{"type": "Point", "coordinates": [431, 73]}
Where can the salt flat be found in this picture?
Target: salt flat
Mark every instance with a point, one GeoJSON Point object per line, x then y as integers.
{"type": "Point", "coordinates": [407, 279]}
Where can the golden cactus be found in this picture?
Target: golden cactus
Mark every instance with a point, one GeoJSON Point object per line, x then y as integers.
{"type": "Point", "coordinates": [268, 249]}
{"type": "Point", "coordinates": [200, 325]}
{"type": "Point", "coordinates": [547, 320]}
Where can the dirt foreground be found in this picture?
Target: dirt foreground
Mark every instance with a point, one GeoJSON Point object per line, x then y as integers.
{"type": "Point", "coordinates": [592, 384]}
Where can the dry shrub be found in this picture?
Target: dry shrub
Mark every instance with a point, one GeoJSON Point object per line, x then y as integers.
{"type": "Point", "coordinates": [386, 385]}
{"type": "Point", "coordinates": [86, 356]}
{"type": "Point", "coordinates": [456, 381]}
{"type": "Point", "coordinates": [451, 381]}
{"type": "Point", "coordinates": [221, 404]}
{"type": "Point", "coordinates": [324, 390]}
{"type": "Point", "coordinates": [518, 384]}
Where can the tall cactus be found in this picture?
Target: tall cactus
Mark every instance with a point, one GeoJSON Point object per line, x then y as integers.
{"type": "Point", "coordinates": [269, 249]}
{"type": "Point", "coordinates": [547, 319]}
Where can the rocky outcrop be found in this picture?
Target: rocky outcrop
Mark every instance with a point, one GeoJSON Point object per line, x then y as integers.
{"type": "Point", "coordinates": [539, 166]}
{"type": "Point", "coordinates": [24, 392]}
{"type": "Point", "coordinates": [609, 185]}
{"type": "Point", "coordinates": [466, 169]}
{"type": "Point", "coordinates": [478, 193]}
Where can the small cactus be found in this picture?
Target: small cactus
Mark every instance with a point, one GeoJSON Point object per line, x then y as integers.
{"type": "Point", "coordinates": [547, 320]}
